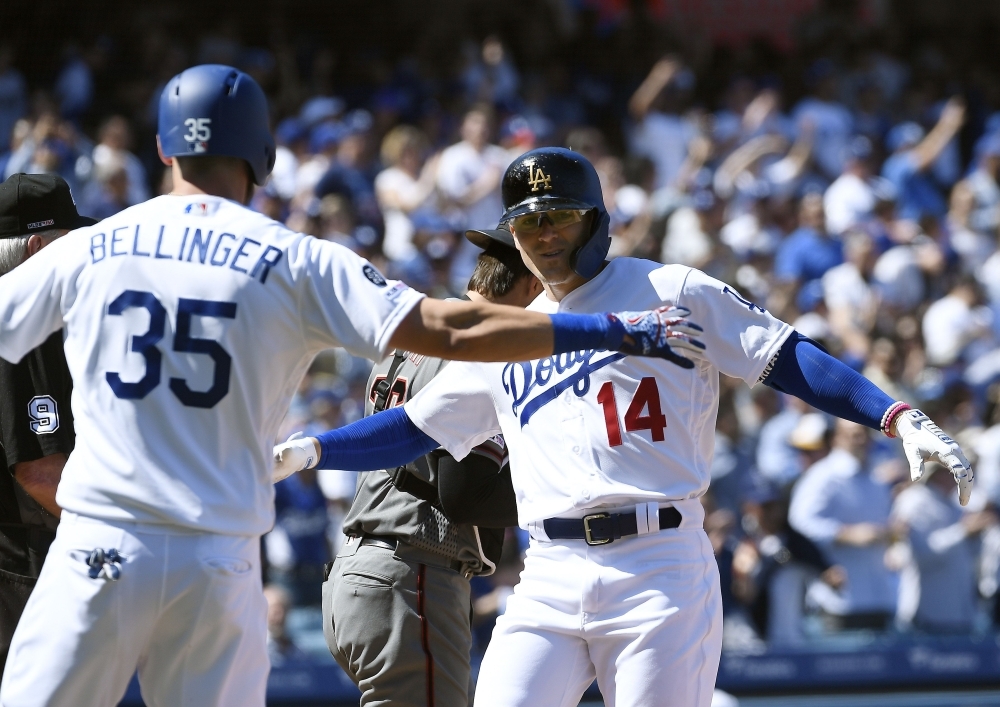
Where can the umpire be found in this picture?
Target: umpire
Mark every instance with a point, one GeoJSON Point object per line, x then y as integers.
{"type": "Point", "coordinates": [397, 600]}
{"type": "Point", "coordinates": [36, 423]}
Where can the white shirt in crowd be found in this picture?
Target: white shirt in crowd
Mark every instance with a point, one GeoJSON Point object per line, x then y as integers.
{"type": "Point", "coordinates": [138, 192]}
{"type": "Point", "coordinates": [283, 176]}
{"type": "Point", "coordinates": [397, 243]}
{"type": "Point", "coordinates": [949, 325]}
{"type": "Point", "coordinates": [899, 277]}
{"type": "Point", "coordinates": [664, 139]}
{"type": "Point", "coordinates": [834, 492]}
{"type": "Point", "coordinates": [849, 200]}
{"type": "Point", "coordinates": [845, 286]}
{"type": "Point", "coordinates": [833, 128]}
{"type": "Point", "coordinates": [189, 322]}
{"type": "Point", "coordinates": [460, 166]}
{"type": "Point", "coordinates": [599, 429]}
{"type": "Point", "coordinates": [942, 576]}
{"type": "Point", "coordinates": [985, 218]}
{"type": "Point", "coordinates": [686, 243]}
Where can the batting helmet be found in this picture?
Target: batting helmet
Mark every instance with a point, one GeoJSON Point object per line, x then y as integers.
{"type": "Point", "coordinates": [554, 178]}
{"type": "Point", "coordinates": [216, 110]}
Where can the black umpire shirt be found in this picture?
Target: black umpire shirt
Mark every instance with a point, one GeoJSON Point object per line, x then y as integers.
{"type": "Point", "coordinates": [35, 421]}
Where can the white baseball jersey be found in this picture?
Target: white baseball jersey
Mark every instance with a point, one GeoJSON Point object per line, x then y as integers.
{"type": "Point", "coordinates": [598, 428]}
{"type": "Point", "coordinates": [189, 322]}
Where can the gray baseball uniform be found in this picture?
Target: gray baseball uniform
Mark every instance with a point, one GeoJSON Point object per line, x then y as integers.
{"type": "Point", "coordinates": [396, 604]}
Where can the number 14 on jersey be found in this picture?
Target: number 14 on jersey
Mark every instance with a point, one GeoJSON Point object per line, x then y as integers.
{"type": "Point", "coordinates": [647, 397]}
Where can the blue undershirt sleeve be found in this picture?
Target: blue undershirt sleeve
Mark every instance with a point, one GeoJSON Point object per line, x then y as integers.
{"type": "Point", "coordinates": [804, 370]}
{"type": "Point", "coordinates": [382, 441]}
{"type": "Point", "coordinates": [581, 332]}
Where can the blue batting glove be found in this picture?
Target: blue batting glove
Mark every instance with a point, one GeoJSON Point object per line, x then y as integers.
{"type": "Point", "coordinates": [658, 333]}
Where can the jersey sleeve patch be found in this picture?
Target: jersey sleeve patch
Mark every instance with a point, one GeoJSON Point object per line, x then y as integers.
{"type": "Point", "coordinates": [43, 414]}
{"type": "Point", "coordinates": [494, 448]}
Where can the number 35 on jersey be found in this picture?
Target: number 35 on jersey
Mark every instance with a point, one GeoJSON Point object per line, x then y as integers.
{"type": "Point", "coordinates": [147, 344]}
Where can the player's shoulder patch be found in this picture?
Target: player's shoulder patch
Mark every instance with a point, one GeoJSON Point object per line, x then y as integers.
{"type": "Point", "coordinates": [373, 275]}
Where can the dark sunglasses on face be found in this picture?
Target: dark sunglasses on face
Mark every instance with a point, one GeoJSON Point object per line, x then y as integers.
{"type": "Point", "coordinates": [531, 224]}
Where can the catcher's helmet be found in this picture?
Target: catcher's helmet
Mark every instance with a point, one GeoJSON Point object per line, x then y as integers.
{"type": "Point", "coordinates": [553, 178]}
{"type": "Point", "coordinates": [216, 110]}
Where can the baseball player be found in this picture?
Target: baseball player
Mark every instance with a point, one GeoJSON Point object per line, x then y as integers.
{"type": "Point", "coordinates": [609, 455]}
{"type": "Point", "coordinates": [396, 603]}
{"type": "Point", "coordinates": [36, 424]}
{"type": "Point", "coordinates": [189, 320]}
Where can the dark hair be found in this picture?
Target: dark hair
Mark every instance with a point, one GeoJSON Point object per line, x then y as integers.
{"type": "Point", "coordinates": [498, 269]}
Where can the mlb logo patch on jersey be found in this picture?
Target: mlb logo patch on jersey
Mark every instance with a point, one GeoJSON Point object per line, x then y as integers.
{"type": "Point", "coordinates": [202, 208]}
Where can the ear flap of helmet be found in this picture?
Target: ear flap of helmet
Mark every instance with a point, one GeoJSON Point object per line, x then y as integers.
{"type": "Point", "coordinates": [588, 259]}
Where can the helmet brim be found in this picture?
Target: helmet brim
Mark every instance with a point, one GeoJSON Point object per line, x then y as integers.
{"type": "Point", "coordinates": [486, 237]}
{"type": "Point", "coordinates": [545, 203]}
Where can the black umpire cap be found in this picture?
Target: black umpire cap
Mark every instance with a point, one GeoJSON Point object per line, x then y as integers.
{"type": "Point", "coordinates": [30, 203]}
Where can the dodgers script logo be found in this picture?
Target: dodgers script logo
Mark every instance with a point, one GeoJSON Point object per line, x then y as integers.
{"type": "Point", "coordinates": [541, 380]}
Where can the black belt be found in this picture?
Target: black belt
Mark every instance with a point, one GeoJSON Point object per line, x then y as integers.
{"type": "Point", "coordinates": [603, 528]}
{"type": "Point", "coordinates": [390, 542]}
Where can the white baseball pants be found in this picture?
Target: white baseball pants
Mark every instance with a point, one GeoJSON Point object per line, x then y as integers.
{"type": "Point", "coordinates": [643, 615]}
{"type": "Point", "coordinates": [188, 611]}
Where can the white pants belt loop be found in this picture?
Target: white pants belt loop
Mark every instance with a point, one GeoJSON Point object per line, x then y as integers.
{"type": "Point", "coordinates": [536, 529]}
{"type": "Point", "coordinates": [641, 522]}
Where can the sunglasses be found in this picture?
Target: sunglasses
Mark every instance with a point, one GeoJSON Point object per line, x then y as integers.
{"type": "Point", "coordinates": [531, 224]}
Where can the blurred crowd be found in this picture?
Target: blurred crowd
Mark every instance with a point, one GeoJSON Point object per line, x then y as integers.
{"type": "Point", "coordinates": [850, 185]}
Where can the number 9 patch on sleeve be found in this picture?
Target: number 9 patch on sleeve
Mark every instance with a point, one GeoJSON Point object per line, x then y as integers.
{"type": "Point", "coordinates": [44, 414]}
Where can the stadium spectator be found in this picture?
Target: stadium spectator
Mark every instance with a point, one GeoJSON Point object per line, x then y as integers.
{"type": "Point", "coordinates": [468, 177]}
{"type": "Point", "coordinates": [13, 96]}
{"type": "Point", "coordinates": [405, 185]}
{"type": "Point", "coordinates": [913, 153]}
{"type": "Point", "coordinates": [833, 122]}
{"type": "Point", "coordinates": [302, 519]}
{"type": "Point", "coordinates": [851, 199]}
{"type": "Point", "coordinates": [661, 132]}
{"type": "Point", "coordinates": [807, 253]}
{"type": "Point", "coordinates": [840, 507]}
{"type": "Point", "coordinates": [982, 182]}
{"type": "Point", "coordinates": [938, 587]}
{"type": "Point", "coordinates": [115, 141]}
{"type": "Point", "coordinates": [774, 564]}
{"type": "Point", "coordinates": [851, 300]}
{"type": "Point", "coordinates": [280, 646]}
{"type": "Point", "coordinates": [956, 323]}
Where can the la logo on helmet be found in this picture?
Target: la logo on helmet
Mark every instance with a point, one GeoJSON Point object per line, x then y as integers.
{"type": "Point", "coordinates": [538, 178]}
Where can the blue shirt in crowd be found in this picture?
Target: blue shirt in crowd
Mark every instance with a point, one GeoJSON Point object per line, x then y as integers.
{"type": "Point", "coordinates": [805, 255]}
{"type": "Point", "coordinates": [918, 196]}
{"type": "Point", "coordinates": [301, 512]}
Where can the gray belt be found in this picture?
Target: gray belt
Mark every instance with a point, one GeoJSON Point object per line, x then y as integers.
{"type": "Point", "coordinates": [405, 551]}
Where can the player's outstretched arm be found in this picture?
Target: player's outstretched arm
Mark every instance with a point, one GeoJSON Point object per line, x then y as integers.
{"type": "Point", "coordinates": [804, 370]}
{"type": "Point", "coordinates": [478, 331]}
{"type": "Point", "coordinates": [382, 441]}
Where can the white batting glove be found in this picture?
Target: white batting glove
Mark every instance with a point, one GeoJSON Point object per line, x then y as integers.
{"type": "Point", "coordinates": [294, 454]}
{"type": "Point", "coordinates": [923, 440]}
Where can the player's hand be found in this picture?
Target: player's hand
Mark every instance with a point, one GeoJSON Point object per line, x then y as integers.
{"type": "Point", "coordinates": [923, 440]}
{"type": "Point", "coordinates": [295, 454]}
{"type": "Point", "coordinates": [660, 333]}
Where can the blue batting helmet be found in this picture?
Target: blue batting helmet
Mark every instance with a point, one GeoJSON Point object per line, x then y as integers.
{"type": "Point", "coordinates": [553, 178]}
{"type": "Point", "coordinates": [216, 110]}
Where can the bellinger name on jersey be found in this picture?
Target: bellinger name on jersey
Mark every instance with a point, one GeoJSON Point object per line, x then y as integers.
{"type": "Point", "coordinates": [218, 250]}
